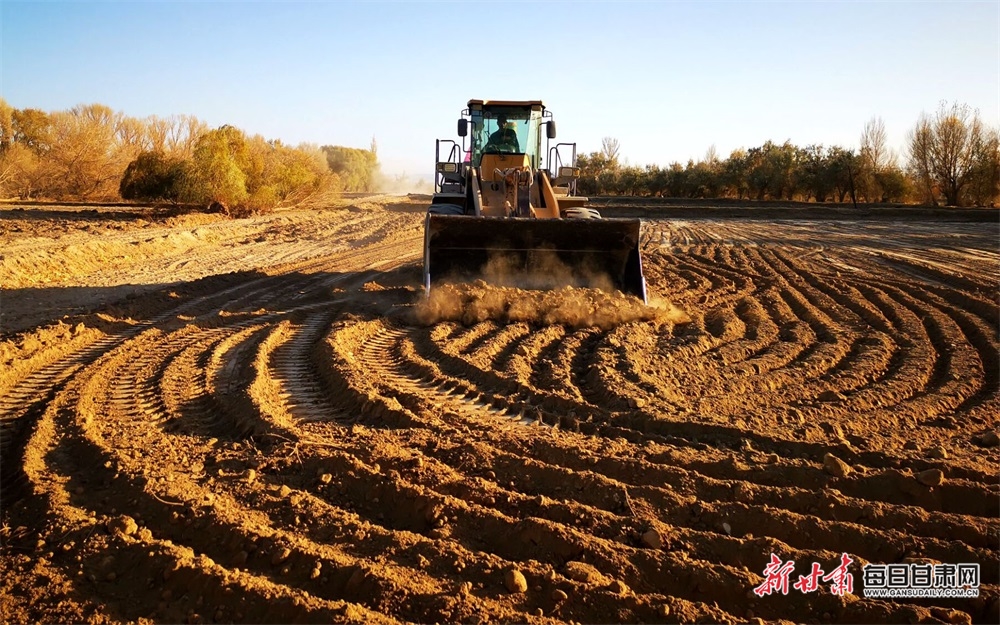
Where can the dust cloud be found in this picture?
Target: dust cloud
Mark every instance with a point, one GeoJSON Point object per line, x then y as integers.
{"type": "Point", "coordinates": [543, 269]}
{"type": "Point", "coordinates": [401, 184]}
{"type": "Point", "coordinates": [575, 307]}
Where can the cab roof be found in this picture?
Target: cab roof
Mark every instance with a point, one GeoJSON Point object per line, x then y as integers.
{"type": "Point", "coordinates": [506, 103]}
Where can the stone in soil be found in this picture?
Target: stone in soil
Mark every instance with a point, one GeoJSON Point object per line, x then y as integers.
{"type": "Point", "coordinates": [931, 477]}
{"type": "Point", "coordinates": [835, 466]}
{"type": "Point", "coordinates": [652, 539]}
{"type": "Point", "coordinates": [582, 572]}
{"type": "Point", "coordinates": [515, 581]}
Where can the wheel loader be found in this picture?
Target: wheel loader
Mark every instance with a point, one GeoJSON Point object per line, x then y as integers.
{"type": "Point", "coordinates": [501, 214]}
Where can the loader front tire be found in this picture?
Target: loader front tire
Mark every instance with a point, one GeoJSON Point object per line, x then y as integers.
{"type": "Point", "coordinates": [446, 209]}
{"type": "Point", "coordinates": [581, 213]}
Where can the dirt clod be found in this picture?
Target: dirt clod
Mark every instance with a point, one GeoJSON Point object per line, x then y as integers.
{"type": "Point", "coordinates": [835, 466]}
{"type": "Point", "coordinates": [831, 396]}
{"type": "Point", "coordinates": [938, 453]}
{"type": "Point", "coordinates": [989, 439]}
{"type": "Point", "coordinates": [515, 581]}
{"type": "Point", "coordinates": [583, 572]}
{"type": "Point", "coordinates": [618, 587]}
{"type": "Point", "coordinates": [652, 539]}
{"type": "Point", "coordinates": [123, 525]}
{"type": "Point", "coordinates": [280, 555]}
{"type": "Point", "coordinates": [931, 477]}
{"type": "Point", "coordinates": [950, 615]}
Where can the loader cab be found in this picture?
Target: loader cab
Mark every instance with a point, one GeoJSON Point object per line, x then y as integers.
{"type": "Point", "coordinates": [506, 130]}
{"type": "Point", "coordinates": [465, 167]}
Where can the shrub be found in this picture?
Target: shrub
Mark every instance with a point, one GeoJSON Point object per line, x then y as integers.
{"type": "Point", "coordinates": [152, 176]}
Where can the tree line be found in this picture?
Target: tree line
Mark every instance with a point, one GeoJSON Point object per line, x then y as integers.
{"type": "Point", "coordinates": [92, 153]}
{"type": "Point", "coordinates": [951, 158]}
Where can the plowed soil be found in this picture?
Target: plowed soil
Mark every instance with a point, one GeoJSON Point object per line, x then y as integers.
{"type": "Point", "coordinates": [260, 420]}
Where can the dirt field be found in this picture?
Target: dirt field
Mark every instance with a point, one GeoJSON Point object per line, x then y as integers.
{"type": "Point", "coordinates": [207, 420]}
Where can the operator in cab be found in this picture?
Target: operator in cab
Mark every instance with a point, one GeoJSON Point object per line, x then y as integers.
{"type": "Point", "coordinates": [504, 139]}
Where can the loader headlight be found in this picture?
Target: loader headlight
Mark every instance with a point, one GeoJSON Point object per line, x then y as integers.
{"type": "Point", "coordinates": [569, 172]}
{"type": "Point", "coordinates": [447, 168]}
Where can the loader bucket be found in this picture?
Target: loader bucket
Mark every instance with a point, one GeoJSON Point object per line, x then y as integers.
{"type": "Point", "coordinates": [534, 253]}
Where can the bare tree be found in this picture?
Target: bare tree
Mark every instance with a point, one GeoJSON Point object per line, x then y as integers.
{"type": "Point", "coordinates": [920, 140]}
{"type": "Point", "coordinates": [182, 134]}
{"type": "Point", "coordinates": [132, 136]}
{"type": "Point", "coordinates": [6, 125]}
{"type": "Point", "coordinates": [945, 150]}
{"type": "Point", "coordinates": [874, 146]}
{"type": "Point", "coordinates": [875, 160]}
{"type": "Point", "coordinates": [83, 152]}
{"type": "Point", "coordinates": [610, 148]}
{"type": "Point", "coordinates": [711, 157]}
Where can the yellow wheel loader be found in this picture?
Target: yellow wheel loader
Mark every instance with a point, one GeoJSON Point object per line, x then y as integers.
{"type": "Point", "coordinates": [502, 215]}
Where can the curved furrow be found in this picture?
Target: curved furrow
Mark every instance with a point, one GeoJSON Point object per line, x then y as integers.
{"type": "Point", "coordinates": [982, 335]}
{"type": "Point", "coordinates": [538, 490]}
{"type": "Point", "coordinates": [525, 360]}
{"type": "Point", "coordinates": [714, 288]}
{"type": "Point", "coordinates": [952, 494]}
{"type": "Point", "coordinates": [954, 373]}
{"type": "Point", "coordinates": [470, 338]}
{"type": "Point", "coordinates": [770, 364]}
{"type": "Point", "coordinates": [810, 350]}
{"type": "Point", "coordinates": [558, 357]}
{"type": "Point", "coordinates": [938, 331]}
{"type": "Point", "coordinates": [25, 399]}
{"type": "Point", "coordinates": [842, 325]}
{"type": "Point", "coordinates": [729, 262]}
{"type": "Point", "coordinates": [89, 466]}
{"type": "Point", "coordinates": [435, 531]}
{"type": "Point", "coordinates": [455, 371]}
{"type": "Point", "coordinates": [225, 356]}
{"type": "Point", "coordinates": [584, 374]}
{"type": "Point", "coordinates": [688, 501]}
{"type": "Point", "coordinates": [522, 357]}
{"type": "Point", "coordinates": [460, 517]}
{"type": "Point", "coordinates": [297, 382]}
{"type": "Point", "coordinates": [231, 372]}
{"type": "Point", "coordinates": [614, 377]}
{"type": "Point", "coordinates": [415, 382]}
{"type": "Point", "coordinates": [664, 280]}
{"type": "Point", "coordinates": [188, 405]}
{"type": "Point", "coordinates": [134, 388]}
{"type": "Point", "coordinates": [911, 363]}
{"type": "Point", "coordinates": [21, 406]}
{"type": "Point", "coordinates": [485, 354]}
{"type": "Point", "coordinates": [933, 271]}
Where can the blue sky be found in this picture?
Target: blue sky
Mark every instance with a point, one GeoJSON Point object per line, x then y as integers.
{"type": "Point", "coordinates": [667, 79]}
